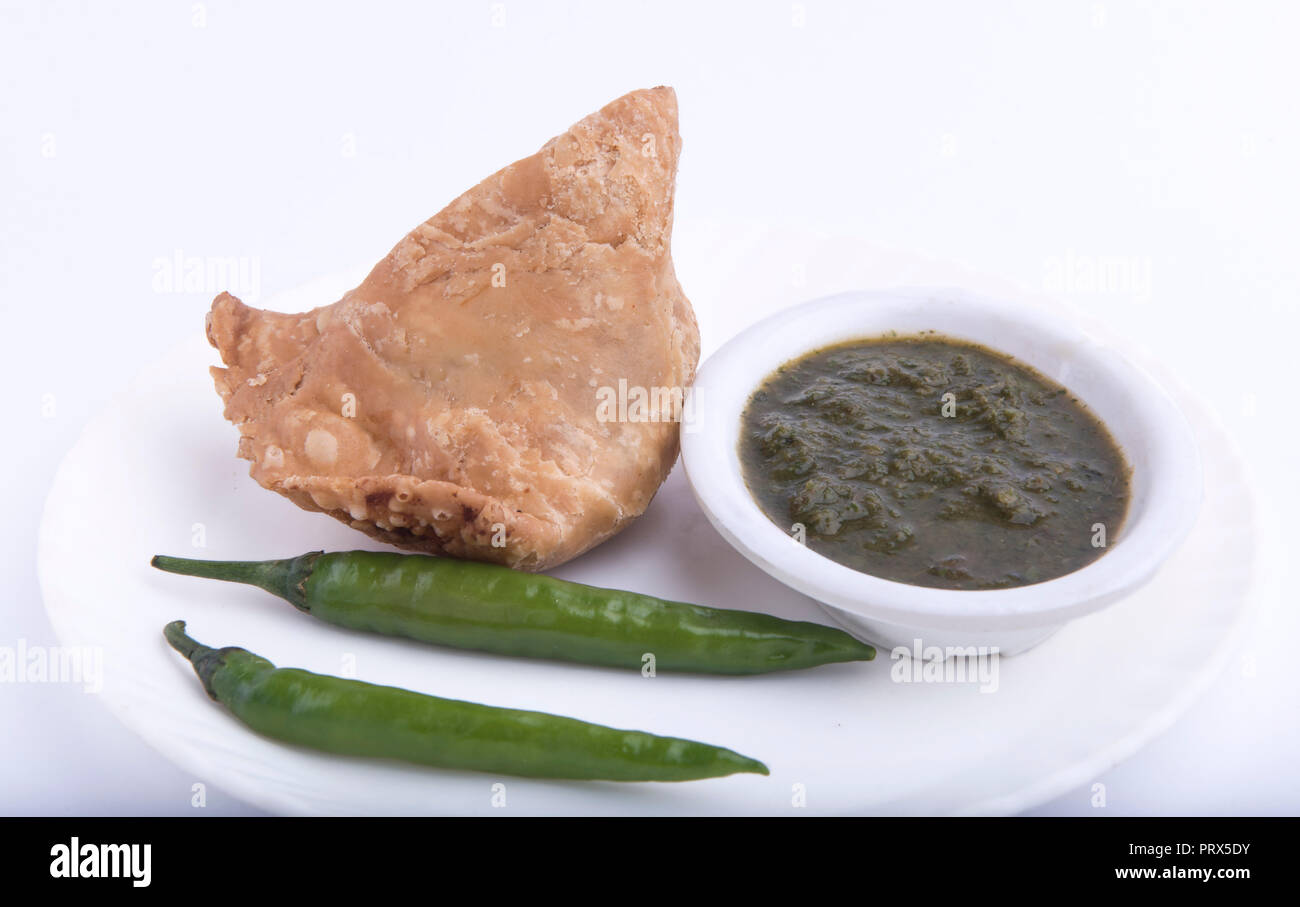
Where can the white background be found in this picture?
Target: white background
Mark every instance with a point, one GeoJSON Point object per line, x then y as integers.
{"type": "Point", "coordinates": [1027, 140]}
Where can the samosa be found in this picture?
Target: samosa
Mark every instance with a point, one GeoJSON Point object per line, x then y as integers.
{"type": "Point", "coordinates": [458, 401]}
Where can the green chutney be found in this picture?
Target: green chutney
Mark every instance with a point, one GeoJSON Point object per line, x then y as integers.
{"type": "Point", "coordinates": [933, 462]}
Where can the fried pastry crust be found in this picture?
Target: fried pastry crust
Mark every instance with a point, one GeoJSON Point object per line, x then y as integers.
{"type": "Point", "coordinates": [452, 403]}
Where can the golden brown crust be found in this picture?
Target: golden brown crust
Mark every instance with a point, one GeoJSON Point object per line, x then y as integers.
{"type": "Point", "coordinates": [450, 402]}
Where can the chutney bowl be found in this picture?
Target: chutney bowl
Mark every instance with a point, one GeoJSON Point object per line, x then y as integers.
{"type": "Point", "coordinates": [1153, 434]}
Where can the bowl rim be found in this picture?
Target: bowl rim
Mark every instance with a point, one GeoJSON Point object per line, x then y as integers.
{"type": "Point", "coordinates": [710, 459]}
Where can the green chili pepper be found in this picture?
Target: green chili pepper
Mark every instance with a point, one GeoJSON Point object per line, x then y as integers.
{"type": "Point", "coordinates": [353, 718]}
{"type": "Point", "coordinates": [472, 605]}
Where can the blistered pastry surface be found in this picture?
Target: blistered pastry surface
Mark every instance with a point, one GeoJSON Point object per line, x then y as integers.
{"type": "Point", "coordinates": [451, 402]}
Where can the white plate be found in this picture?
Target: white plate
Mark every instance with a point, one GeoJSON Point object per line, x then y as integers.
{"type": "Point", "coordinates": [156, 471]}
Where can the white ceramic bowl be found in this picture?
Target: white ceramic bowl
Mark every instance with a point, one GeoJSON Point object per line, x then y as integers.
{"type": "Point", "coordinates": [1143, 419]}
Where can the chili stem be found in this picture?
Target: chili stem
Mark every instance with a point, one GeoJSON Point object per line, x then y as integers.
{"type": "Point", "coordinates": [283, 577]}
